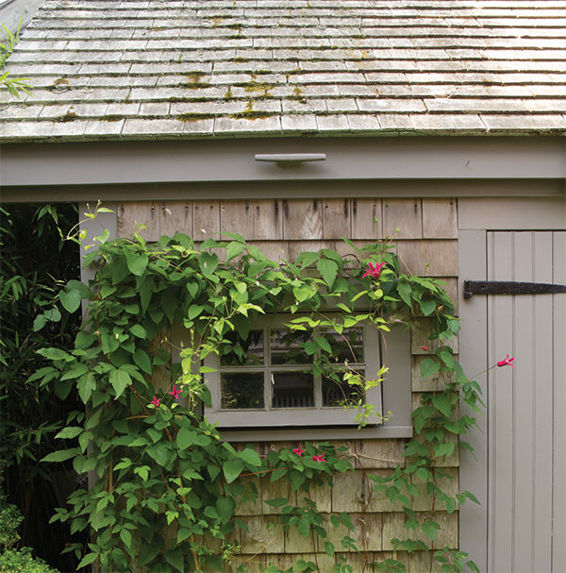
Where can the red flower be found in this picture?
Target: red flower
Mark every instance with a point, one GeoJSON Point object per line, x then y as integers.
{"type": "Point", "coordinates": [175, 392]}
{"type": "Point", "coordinates": [506, 361]}
{"type": "Point", "coordinates": [156, 401]}
{"type": "Point", "coordinates": [373, 271]}
{"type": "Point", "coordinates": [298, 451]}
{"type": "Point", "coordinates": [319, 458]}
{"type": "Point", "coordinates": [425, 348]}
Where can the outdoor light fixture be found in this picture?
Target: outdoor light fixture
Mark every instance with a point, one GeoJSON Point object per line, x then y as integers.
{"type": "Point", "coordinates": [290, 159]}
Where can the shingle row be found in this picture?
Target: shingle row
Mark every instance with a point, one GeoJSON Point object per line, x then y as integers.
{"type": "Point", "coordinates": [189, 68]}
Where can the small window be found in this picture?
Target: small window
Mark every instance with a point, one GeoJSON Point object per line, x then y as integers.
{"type": "Point", "coordinates": [268, 379]}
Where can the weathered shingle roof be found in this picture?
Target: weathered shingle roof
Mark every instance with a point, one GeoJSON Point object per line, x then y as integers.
{"type": "Point", "coordinates": [193, 68]}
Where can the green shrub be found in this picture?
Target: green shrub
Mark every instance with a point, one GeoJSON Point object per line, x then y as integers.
{"type": "Point", "coordinates": [21, 560]}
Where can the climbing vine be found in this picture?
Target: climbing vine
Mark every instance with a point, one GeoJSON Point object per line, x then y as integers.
{"type": "Point", "coordinates": [167, 484]}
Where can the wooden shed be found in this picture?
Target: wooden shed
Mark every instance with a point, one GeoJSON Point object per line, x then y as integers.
{"type": "Point", "coordinates": [299, 122]}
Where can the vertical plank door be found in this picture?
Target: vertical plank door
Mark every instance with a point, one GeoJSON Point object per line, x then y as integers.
{"type": "Point", "coordinates": [526, 406]}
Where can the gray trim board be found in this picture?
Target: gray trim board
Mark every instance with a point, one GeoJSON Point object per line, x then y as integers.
{"type": "Point", "coordinates": [456, 158]}
{"type": "Point", "coordinates": [552, 189]}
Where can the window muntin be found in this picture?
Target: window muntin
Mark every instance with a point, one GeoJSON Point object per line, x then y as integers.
{"type": "Point", "coordinates": [268, 381]}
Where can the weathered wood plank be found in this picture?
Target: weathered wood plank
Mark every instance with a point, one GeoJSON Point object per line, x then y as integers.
{"type": "Point", "coordinates": [430, 384]}
{"type": "Point", "coordinates": [430, 258]}
{"type": "Point", "coordinates": [364, 215]}
{"type": "Point", "coordinates": [336, 220]}
{"type": "Point", "coordinates": [302, 219]}
{"type": "Point", "coordinates": [131, 215]}
{"type": "Point", "coordinates": [447, 535]}
{"type": "Point", "coordinates": [206, 220]}
{"type": "Point", "coordinates": [440, 219]}
{"type": "Point", "coordinates": [275, 250]}
{"type": "Point", "coordinates": [237, 217]}
{"type": "Point", "coordinates": [298, 247]}
{"type": "Point", "coordinates": [176, 216]}
{"type": "Point", "coordinates": [348, 492]}
{"type": "Point", "coordinates": [377, 454]}
{"type": "Point", "coordinates": [402, 218]}
{"type": "Point", "coordinates": [267, 220]}
{"type": "Point", "coordinates": [377, 501]}
{"type": "Point", "coordinates": [263, 532]}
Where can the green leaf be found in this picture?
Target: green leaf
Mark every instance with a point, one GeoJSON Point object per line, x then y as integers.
{"type": "Point", "coordinates": [143, 472]}
{"type": "Point", "coordinates": [87, 560]}
{"type": "Point", "coordinates": [328, 270]}
{"type": "Point", "coordinates": [39, 322]}
{"type": "Point", "coordinates": [75, 372]}
{"type": "Point", "coordinates": [329, 548]}
{"type": "Point", "coordinates": [444, 449]}
{"type": "Point", "coordinates": [185, 438]}
{"type": "Point", "coordinates": [137, 263]}
{"type": "Point", "coordinates": [195, 310]}
{"type": "Point", "coordinates": [225, 508]}
{"type": "Point", "coordinates": [138, 330]}
{"type": "Point", "coordinates": [428, 307]}
{"type": "Point", "coordinates": [429, 367]}
{"type": "Point", "coordinates": [442, 403]}
{"type": "Point", "coordinates": [278, 474]}
{"type": "Point", "coordinates": [404, 290]}
{"type": "Point", "coordinates": [159, 452]}
{"type": "Point", "coordinates": [61, 455]}
{"type": "Point", "coordinates": [126, 537]}
{"type": "Point", "coordinates": [120, 380]}
{"type": "Point", "coordinates": [208, 263]}
{"type": "Point", "coordinates": [233, 250]}
{"type": "Point", "coordinates": [53, 314]}
{"type": "Point", "coordinates": [430, 528]}
{"type": "Point", "coordinates": [323, 343]}
{"type": "Point", "coordinates": [142, 360]}
{"type": "Point", "coordinates": [307, 258]}
{"type": "Point", "coordinates": [86, 385]}
{"type": "Point", "coordinates": [70, 300]}
{"type": "Point", "coordinates": [250, 456]}
{"type": "Point", "coordinates": [232, 469]}
{"type": "Point", "coordinates": [69, 432]}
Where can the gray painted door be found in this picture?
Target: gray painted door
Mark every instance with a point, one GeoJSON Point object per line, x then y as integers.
{"type": "Point", "coordinates": [527, 407]}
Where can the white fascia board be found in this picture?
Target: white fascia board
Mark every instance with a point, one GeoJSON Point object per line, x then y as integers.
{"type": "Point", "coordinates": [167, 162]}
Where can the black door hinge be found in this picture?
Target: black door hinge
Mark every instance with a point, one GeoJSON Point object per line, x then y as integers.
{"type": "Point", "coordinates": [509, 287]}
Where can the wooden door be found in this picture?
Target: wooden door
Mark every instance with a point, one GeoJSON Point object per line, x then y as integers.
{"type": "Point", "coordinates": [526, 417]}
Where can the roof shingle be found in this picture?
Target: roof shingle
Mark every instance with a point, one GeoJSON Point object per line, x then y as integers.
{"type": "Point", "coordinates": [189, 68]}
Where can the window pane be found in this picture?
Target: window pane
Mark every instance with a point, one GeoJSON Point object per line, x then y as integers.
{"type": "Point", "coordinates": [346, 346]}
{"type": "Point", "coordinates": [243, 352]}
{"type": "Point", "coordinates": [340, 392]}
{"type": "Point", "coordinates": [285, 347]}
{"type": "Point", "coordinates": [242, 390]}
{"type": "Point", "coordinates": [292, 390]}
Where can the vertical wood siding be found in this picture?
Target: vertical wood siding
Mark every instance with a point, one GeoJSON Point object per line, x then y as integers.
{"type": "Point", "coordinates": [424, 232]}
{"type": "Point", "coordinates": [526, 422]}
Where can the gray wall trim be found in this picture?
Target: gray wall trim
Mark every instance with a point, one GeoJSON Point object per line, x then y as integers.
{"type": "Point", "coordinates": [302, 434]}
{"type": "Point", "coordinates": [473, 358]}
{"type": "Point", "coordinates": [542, 213]}
{"type": "Point", "coordinates": [287, 190]}
{"type": "Point", "coordinates": [457, 158]}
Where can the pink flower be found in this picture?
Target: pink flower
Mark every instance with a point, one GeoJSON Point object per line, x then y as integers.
{"type": "Point", "coordinates": [298, 451]}
{"type": "Point", "coordinates": [156, 401]}
{"type": "Point", "coordinates": [506, 361]}
{"type": "Point", "coordinates": [175, 392]}
{"type": "Point", "coordinates": [425, 348]}
{"type": "Point", "coordinates": [373, 271]}
{"type": "Point", "coordinates": [319, 458]}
